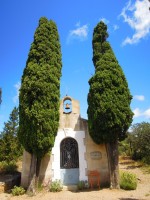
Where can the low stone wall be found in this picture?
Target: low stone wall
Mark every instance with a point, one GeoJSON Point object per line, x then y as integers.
{"type": "Point", "coordinates": [2, 187]}
{"type": "Point", "coordinates": [7, 182]}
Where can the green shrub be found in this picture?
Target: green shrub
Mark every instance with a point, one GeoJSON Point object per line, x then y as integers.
{"type": "Point", "coordinates": [128, 181]}
{"type": "Point", "coordinates": [40, 186]}
{"type": "Point", "coordinates": [146, 159]}
{"type": "Point", "coordinates": [146, 168]}
{"type": "Point", "coordinates": [56, 186]}
{"type": "Point", "coordinates": [81, 185]}
{"type": "Point", "coordinates": [16, 191]}
{"type": "Point", "coordinates": [8, 167]}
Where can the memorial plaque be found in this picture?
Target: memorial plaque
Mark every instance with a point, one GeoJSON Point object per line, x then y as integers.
{"type": "Point", "coordinates": [96, 155]}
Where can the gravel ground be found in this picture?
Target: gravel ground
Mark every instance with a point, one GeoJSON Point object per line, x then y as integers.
{"type": "Point", "coordinates": [141, 193]}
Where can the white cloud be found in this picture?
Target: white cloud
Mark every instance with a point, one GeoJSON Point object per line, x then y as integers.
{"type": "Point", "coordinates": [17, 87]}
{"type": "Point", "coordinates": [139, 97]}
{"type": "Point", "coordinates": [139, 113]}
{"type": "Point", "coordinates": [106, 21]}
{"type": "Point", "coordinates": [137, 16]}
{"type": "Point", "coordinates": [115, 27]}
{"type": "Point", "coordinates": [80, 32]}
{"type": "Point", "coordinates": [147, 113]}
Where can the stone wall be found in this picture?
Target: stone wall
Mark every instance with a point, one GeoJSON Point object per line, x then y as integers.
{"type": "Point", "coordinates": [96, 156]}
{"type": "Point", "coordinates": [8, 181]}
{"type": "Point", "coordinates": [46, 172]}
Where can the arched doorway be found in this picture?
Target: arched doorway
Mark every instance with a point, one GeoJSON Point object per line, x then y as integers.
{"type": "Point", "coordinates": [69, 161]}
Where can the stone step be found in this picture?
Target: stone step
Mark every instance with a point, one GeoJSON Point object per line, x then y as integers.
{"type": "Point", "coordinates": [70, 187]}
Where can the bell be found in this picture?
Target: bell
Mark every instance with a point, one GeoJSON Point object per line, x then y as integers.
{"type": "Point", "coordinates": [67, 106]}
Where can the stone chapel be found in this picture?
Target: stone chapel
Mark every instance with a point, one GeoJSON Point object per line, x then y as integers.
{"type": "Point", "coordinates": [74, 153]}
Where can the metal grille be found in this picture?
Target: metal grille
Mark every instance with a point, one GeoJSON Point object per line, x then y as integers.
{"type": "Point", "coordinates": [69, 154]}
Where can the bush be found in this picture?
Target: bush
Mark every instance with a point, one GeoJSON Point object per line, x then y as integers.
{"type": "Point", "coordinates": [40, 186]}
{"type": "Point", "coordinates": [128, 181]}
{"type": "Point", "coordinates": [56, 186]}
{"type": "Point", "coordinates": [16, 191]}
{"type": "Point", "coordinates": [8, 167]}
{"type": "Point", "coordinates": [146, 159]}
{"type": "Point", "coordinates": [81, 185]}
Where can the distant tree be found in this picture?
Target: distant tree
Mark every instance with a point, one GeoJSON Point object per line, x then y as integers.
{"type": "Point", "coordinates": [140, 141]}
{"type": "Point", "coordinates": [125, 146]}
{"type": "Point", "coordinates": [40, 96]}
{"type": "Point", "coordinates": [109, 113]}
{"type": "Point", "coordinates": [10, 148]}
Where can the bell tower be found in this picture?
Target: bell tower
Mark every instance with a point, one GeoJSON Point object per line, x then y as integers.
{"type": "Point", "coordinates": [69, 114]}
{"type": "Point", "coordinates": [67, 105]}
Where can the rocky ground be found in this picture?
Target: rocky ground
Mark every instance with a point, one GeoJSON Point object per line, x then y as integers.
{"type": "Point", "coordinates": [141, 193]}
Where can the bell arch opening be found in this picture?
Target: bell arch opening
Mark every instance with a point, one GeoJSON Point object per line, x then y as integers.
{"type": "Point", "coordinates": [67, 105]}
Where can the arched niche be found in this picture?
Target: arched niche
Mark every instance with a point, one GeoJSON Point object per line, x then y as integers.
{"type": "Point", "coordinates": [69, 157]}
{"type": "Point", "coordinates": [67, 105]}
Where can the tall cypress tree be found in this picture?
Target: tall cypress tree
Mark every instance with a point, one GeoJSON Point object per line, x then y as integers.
{"type": "Point", "coordinates": [109, 113]}
{"type": "Point", "coordinates": [40, 93]}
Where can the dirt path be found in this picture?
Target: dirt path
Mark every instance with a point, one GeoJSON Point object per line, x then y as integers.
{"type": "Point", "coordinates": [141, 193]}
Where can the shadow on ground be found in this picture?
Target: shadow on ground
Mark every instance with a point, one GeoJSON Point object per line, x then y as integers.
{"type": "Point", "coordinates": [127, 162]}
{"type": "Point", "coordinates": [134, 167]}
{"type": "Point", "coordinates": [130, 199]}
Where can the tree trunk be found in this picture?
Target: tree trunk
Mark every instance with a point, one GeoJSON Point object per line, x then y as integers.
{"type": "Point", "coordinates": [113, 160]}
{"type": "Point", "coordinates": [32, 175]}
{"type": "Point", "coordinates": [38, 164]}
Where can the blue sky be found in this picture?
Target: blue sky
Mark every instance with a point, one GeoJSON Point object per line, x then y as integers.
{"type": "Point", "coordinates": [129, 35]}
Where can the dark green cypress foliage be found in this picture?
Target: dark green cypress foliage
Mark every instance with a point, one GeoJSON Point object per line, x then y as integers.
{"type": "Point", "coordinates": [109, 113]}
{"type": "Point", "coordinates": [40, 91]}
{"type": "Point", "coordinates": [109, 98]}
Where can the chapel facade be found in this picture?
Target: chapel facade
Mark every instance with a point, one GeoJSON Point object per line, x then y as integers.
{"type": "Point", "coordinates": [74, 153]}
